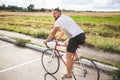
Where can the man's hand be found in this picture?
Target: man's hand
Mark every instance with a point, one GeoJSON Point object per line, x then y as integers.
{"type": "Point", "coordinates": [45, 41]}
{"type": "Point", "coordinates": [65, 43]}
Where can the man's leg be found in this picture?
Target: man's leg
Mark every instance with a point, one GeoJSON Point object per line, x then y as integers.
{"type": "Point", "coordinates": [69, 63]}
{"type": "Point", "coordinates": [75, 56]}
{"type": "Point", "coordinates": [71, 49]}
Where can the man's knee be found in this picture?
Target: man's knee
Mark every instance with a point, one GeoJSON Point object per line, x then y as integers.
{"type": "Point", "coordinates": [69, 55]}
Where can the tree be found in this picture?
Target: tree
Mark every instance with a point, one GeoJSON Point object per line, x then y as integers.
{"type": "Point", "coordinates": [42, 10]}
{"type": "Point", "coordinates": [30, 7]}
{"type": "Point", "coordinates": [2, 7]}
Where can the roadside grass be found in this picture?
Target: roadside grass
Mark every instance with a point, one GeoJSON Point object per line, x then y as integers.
{"type": "Point", "coordinates": [115, 75]}
{"type": "Point", "coordinates": [101, 32]}
{"type": "Point", "coordinates": [21, 42]}
{"type": "Point", "coordinates": [109, 44]}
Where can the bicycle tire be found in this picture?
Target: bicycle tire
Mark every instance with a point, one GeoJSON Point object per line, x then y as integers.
{"type": "Point", "coordinates": [49, 76]}
{"type": "Point", "coordinates": [85, 69]}
{"type": "Point", "coordinates": [50, 61]}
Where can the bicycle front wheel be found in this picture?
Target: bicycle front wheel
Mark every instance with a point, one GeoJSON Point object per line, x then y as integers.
{"type": "Point", "coordinates": [50, 61]}
{"type": "Point", "coordinates": [49, 76]}
{"type": "Point", "coordinates": [84, 69]}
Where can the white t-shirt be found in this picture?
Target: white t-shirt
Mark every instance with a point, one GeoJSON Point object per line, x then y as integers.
{"type": "Point", "coordinates": [68, 25]}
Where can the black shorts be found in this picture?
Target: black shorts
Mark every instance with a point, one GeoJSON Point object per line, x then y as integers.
{"type": "Point", "coordinates": [74, 42]}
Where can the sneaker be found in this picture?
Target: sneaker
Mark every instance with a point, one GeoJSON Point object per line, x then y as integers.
{"type": "Point", "coordinates": [66, 76]}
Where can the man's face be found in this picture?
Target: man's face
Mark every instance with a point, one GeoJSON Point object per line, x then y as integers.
{"type": "Point", "coordinates": [56, 14]}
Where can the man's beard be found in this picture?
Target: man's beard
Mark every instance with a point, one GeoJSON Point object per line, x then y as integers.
{"type": "Point", "coordinates": [56, 18]}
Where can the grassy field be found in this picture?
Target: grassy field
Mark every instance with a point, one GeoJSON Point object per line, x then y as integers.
{"type": "Point", "coordinates": [102, 29]}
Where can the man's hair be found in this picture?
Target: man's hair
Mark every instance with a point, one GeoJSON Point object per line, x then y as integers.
{"type": "Point", "coordinates": [57, 9]}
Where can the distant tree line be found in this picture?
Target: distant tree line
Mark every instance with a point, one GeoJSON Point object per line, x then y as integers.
{"type": "Point", "coordinates": [29, 8]}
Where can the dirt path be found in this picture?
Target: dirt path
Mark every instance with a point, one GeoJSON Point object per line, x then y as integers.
{"type": "Point", "coordinates": [100, 14]}
{"type": "Point", "coordinates": [114, 58]}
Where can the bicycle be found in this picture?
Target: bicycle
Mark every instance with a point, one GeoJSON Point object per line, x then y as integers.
{"type": "Point", "coordinates": [51, 62]}
{"type": "Point", "coordinates": [49, 76]}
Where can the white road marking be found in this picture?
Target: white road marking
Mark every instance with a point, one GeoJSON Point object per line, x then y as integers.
{"type": "Point", "coordinates": [4, 70]}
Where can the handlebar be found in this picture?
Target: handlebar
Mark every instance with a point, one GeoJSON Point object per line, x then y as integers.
{"type": "Point", "coordinates": [56, 43]}
{"type": "Point", "coordinates": [46, 45]}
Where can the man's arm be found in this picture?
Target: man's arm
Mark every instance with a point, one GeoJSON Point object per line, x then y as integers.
{"type": "Point", "coordinates": [52, 34]}
{"type": "Point", "coordinates": [61, 35]}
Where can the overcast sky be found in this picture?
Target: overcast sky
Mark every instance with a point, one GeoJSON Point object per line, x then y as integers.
{"type": "Point", "coordinates": [94, 5]}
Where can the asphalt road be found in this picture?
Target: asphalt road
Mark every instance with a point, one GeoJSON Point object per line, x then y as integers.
{"type": "Point", "coordinates": [18, 63]}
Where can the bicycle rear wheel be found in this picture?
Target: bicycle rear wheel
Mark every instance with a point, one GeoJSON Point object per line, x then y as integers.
{"type": "Point", "coordinates": [84, 69]}
{"type": "Point", "coordinates": [50, 61]}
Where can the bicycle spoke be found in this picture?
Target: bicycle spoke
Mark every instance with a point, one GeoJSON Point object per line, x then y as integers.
{"type": "Point", "coordinates": [85, 72]}
{"type": "Point", "coordinates": [50, 61]}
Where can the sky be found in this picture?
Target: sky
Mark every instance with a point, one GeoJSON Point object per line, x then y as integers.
{"type": "Point", "coordinates": [79, 5]}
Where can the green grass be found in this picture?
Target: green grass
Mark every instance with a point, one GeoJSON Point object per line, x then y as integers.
{"type": "Point", "coordinates": [109, 44]}
{"type": "Point", "coordinates": [21, 42]}
{"type": "Point", "coordinates": [115, 75]}
{"type": "Point", "coordinates": [97, 20]}
{"type": "Point", "coordinates": [101, 32]}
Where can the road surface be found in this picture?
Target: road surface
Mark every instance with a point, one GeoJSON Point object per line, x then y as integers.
{"type": "Point", "coordinates": [18, 63]}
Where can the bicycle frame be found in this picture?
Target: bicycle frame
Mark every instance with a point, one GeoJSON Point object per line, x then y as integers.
{"type": "Point", "coordinates": [58, 53]}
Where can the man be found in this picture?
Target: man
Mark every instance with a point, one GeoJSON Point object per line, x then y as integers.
{"type": "Point", "coordinates": [73, 31]}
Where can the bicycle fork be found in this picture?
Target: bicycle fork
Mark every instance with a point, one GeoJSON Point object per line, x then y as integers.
{"type": "Point", "coordinates": [52, 57]}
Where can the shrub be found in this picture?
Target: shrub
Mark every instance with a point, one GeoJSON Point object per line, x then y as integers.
{"type": "Point", "coordinates": [115, 75]}
{"type": "Point", "coordinates": [21, 42]}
